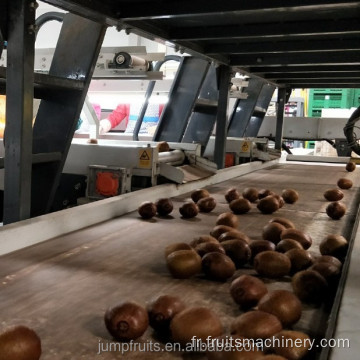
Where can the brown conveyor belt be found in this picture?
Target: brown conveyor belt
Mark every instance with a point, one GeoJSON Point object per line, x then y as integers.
{"type": "Point", "coordinates": [62, 287]}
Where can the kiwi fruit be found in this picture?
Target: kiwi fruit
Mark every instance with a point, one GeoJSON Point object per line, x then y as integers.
{"type": "Point", "coordinates": [287, 244]}
{"type": "Point", "coordinates": [238, 250]}
{"type": "Point", "coordinates": [164, 206]}
{"type": "Point", "coordinates": [272, 357]}
{"type": "Point", "coordinates": [336, 210]}
{"type": "Point", "coordinates": [162, 309]}
{"type": "Point", "coordinates": [264, 193]}
{"type": "Point", "coordinates": [199, 194]}
{"type": "Point", "coordinates": [163, 146]}
{"type": "Point", "coordinates": [251, 194]}
{"type": "Point", "coordinates": [220, 229]}
{"type": "Point", "coordinates": [206, 204]}
{"type": "Point", "coordinates": [297, 343]}
{"type": "Point", "coordinates": [228, 219]}
{"type": "Point", "coordinates": [19, 343]}
{"type": "Point", "coordinates": [247, 290]}
{"type": "Point", "coordinates": [231, 194]}
{"type": "Point", "coordinates": [268, 204]}
{"type": "Point", "coordinates": [183, 264]}
{"type": "Point", "coordinates": [195, 321]}
{"type": "Point", "coordinates": [126, 321]}
{"type": "Point", "coordinates": [202, 239]}
{"type": "Point", "coordinates": [303, 238]}
{"type": "Point", "coordinates": [188, 210]}
{"type": "Point", "coordinates": [208, 247]}
{"type": "Point", "coordinates": [256, 324]}
{"type": "Point", "coordinates": [280, 199]}
{"type": "Point", "coordinates": [329, 259]}
{"type": "Point", "coordinates": [258, 246]}
{"type": "Point", "coordinates": [233, 234]}
{"type": "Point", "coordinates": [272, 264]}
{"type": "Point", "coordinates": [344, 183]}
{"type": "Point", "coordinates": [310, 286]}
{"type": "Point", "coordinates": [300, 259]}
{"type": "Point", "coordinates": [233, 347]}
{"type": "Point", "coordinates": [240, 206]}
{"type": "Point", "coordinates": [283, 221]}
{"type": "Point", "coordinates": [272, 231]}
{"type": "Point", "coordinates": [334, 245]}
{"type": "Point", "coordinates": [290, 196]}
{"type": "Point", "coordinates": [283, 304]}
{"type": "Point", "coordinates": [175, 247]}
{"type": "Point", "coordinates": [217, 266]}
{"type": "Point", "coordinates": [329, 271]}
{"type": "Point", "coordinates": [333, 194]}
{"type": "Point", "coordinates": [147, 210]}
{"type": "Point", "coordinates": [350, 166]}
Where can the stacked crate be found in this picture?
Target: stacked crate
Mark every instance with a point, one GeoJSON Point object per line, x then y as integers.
{"type": "Point", "coordinates": [329, 99]}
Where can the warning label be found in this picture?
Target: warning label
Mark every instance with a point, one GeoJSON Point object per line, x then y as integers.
{"type": "Point", "coordinates": [245, 147]}
{"type": "Point", "coordinates": [145, 159]}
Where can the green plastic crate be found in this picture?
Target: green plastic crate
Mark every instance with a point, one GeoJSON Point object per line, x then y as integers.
{"type": "Point", "coordinates": [356, 102]}
{"type": "Point", "coordinates": [331, 98]}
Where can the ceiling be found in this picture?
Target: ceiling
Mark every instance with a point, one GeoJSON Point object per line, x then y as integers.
{"type": "Point", "coordinates": [296, 44]}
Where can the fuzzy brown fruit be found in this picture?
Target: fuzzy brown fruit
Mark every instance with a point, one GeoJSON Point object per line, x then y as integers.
{"type": "Point", "coordinates": [231, 194]}
{"type": "Point", "coordinates": [264, 193]}
{"type": "Point", "coordinates": [19, 343]}
{"type": "Point", "coordinates": [298, 346]}
{"type": "Point", "coordinates": [290, 196]}
{"type": "Point", "coordinates": [258, 246]}
{"type": "Point", "coordinates": [329, 259]}
{"type": "Point", "coordinates": [162, 309]}
{"type": "Point", "coordinates": [344, 183]}
{"type": "Point", "coordinates": [350, 166]}
{"type": "Point", "coordinates": [163, 146]}
{"type": "Point", "coordinates": [196, 321]}
{"type": "Point", "coordinates": [228, 219]}
{"type": "Point", "coordinates": [199, 194]}
{"type": "Point", "coordinates": [283, 304]}
{"type": "Point", "coordinates": [208, 247]}
{"type": "Point", "coordinates": [333, 194]}
{"type": "Point", "coordinates": [300, 259]}
{"type": "Point", "coordinates": [234, 234]}
{"type": "Point", "coordinates": [287, 244]}
{"type": "Point", "coordinates": [206, 204]}
{"type": "Point", "coordinates": [147, 210]}
{"type": "Point", "coordinates": [126, 321]}
{"type": "Point", "coordinates": [220, 229]}
{"type": "Point", "coordinates": [164, 206]}
{"type": "Point", "coordinates": [189, 210]}
{"type": "Point", "coordinates": [202, 239]}
{"type": "Point", "coordinates": [183, 264]}
{"type": "Point", "coordinates": [217, 266]}
{"type": "Point", "coordinates": [247, 290]}
{"type": "Point", "coordinates": [238, 250]}
{"type": "Point", "coordinates": [272, 232]}
{"type": "Point", "coordinates": [310, 286]}
{"type": "Point", "coordinates": [256, 325]}
{"type": "Point", "coordinates": [336, 210]}
{"type": "Point", "coordinates": [283, 221]}
{"type": "Point", "coordinates": [175, 247]}
{"type": "Point", "coordinates": [240, 206]}
{"type": "Point", "coordinates": [334, 245]}
{"type": "Point", "coordinates": [303, 238]}
{"type": "Point", "coordinates": [251, 194]}
{"type": "Point", "coordinates": [268, 204]}
{"type": "Point", "coordinates": [272, 264]}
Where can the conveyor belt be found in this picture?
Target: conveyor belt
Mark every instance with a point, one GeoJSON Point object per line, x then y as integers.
{"type": "Point", "coordinates": [62, 287]}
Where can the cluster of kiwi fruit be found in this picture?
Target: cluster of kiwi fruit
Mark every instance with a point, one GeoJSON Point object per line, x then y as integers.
{"type": "Point", "coordinates": [266, 200]}
{"type": "Point", "coordinates": [201, 201]}
{"type": "Point", "coordinates": [167, 315]}
{"type": "Point", "coordinates": [336, 209]}
{"type": "Point", "coordinates": [19, 343]}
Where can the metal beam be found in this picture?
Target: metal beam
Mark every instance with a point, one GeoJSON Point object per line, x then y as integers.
{"type": "Point", "coordinates": [343, 82]}
{"type": "Point", "coordinates": [304, 69]}
{"type": "Point", "coordinates": [313, 76]}
{"type": "Point", "coordinates": [280, 118]}
{"type": "Point", "coordinates": [19, 110]}
{"type": "Point", "coordinates": [267, 30]}
{"type": "Point", "coordinates": [326, 57]}
{"type": "Point", "coordinates": [283, 46]}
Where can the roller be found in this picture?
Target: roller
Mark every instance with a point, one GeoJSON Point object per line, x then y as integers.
{"type": "Point", "coordinates": [174, 157]}
{"type": "Point", "coordinates": [124, 60]}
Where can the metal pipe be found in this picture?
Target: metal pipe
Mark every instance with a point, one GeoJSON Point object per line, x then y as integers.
{"type": "Point", "coordinates": [148, 93]}
{"type": "Point", "coordinates": [49, 16]}
{"type": "Point", "coordinates": [174, 157]}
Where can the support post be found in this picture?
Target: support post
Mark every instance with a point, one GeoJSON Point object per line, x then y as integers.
{"type": "Point", "coordinates": [19, 110]}
{"type": "Point", "coordinates": [221, 120]}
{"type": "Point", "coordinates": [280, 118]}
